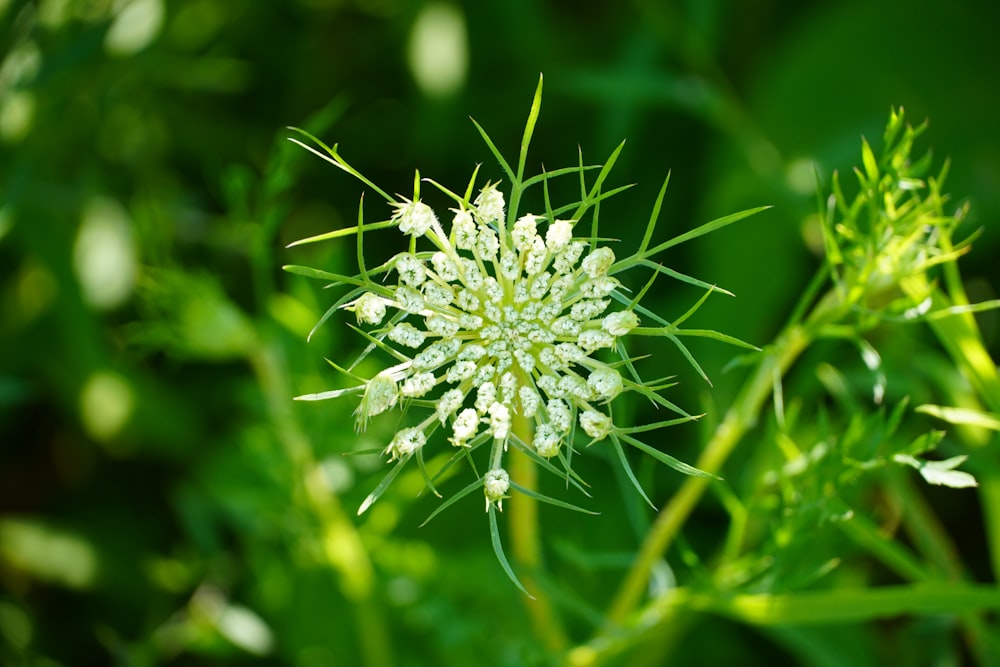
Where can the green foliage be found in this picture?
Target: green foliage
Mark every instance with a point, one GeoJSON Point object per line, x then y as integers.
{"type": "Point", "coordinates": [164, 501]}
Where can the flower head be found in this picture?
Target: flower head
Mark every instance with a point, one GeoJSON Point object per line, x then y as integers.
{"type": "Point", "coordinates": [507, 329]}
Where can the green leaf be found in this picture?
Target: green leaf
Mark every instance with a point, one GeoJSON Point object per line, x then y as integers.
{"type": "Point", "coordinates": [551, 501]}
{"type": "Point", "coordinates": [706, 228]}
{"type": "Point", "coordinates": [529, 129]}
{"type": "Point", "coordinates": [334, 158]}
{"type": "Point", "coordinates": [454, 499]}
{"type": "Point", "coordinates": [498, 550]}
{"type": "Point", "coordinates": [654, 216]}
{"type": "Point", "coordinates": [662, 457]}
{"type": "Point", "coordinates": [869, 161]}
{"type": "Point", "coordinates": [962, 416]}
{"type": "Point", "coordinates": [383, 485]}
{"type": "Point", "coordinates": [336, 278]}
{"type": "Point", "coordinates": [496, 153]}
{"type": "Point", "coordinates": [326, 395]}
{"type": "Point", "coordinates": [620, 452]}
{"type": "Point", "coordinates": [336, 234]}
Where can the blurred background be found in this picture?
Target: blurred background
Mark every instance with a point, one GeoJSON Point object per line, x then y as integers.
{"type": "Point", "coordinates": [162, 500]}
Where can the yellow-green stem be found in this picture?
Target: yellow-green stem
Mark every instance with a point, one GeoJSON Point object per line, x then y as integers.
{"type": "Point", "coordinates": [738, 420]}
{"type": "Point", "coordinates": [526, 541]}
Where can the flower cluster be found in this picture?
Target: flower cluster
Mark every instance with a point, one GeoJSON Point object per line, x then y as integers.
{"type": "Point", "coordinates": [508, 329]}
{"type": "Point", "coordinates": [496, 325]}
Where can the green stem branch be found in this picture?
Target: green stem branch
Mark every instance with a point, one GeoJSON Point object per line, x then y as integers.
{"type": "Point", "coordinates": [740, 418]}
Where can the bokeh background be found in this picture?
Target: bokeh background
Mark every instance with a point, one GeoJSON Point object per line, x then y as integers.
{"type": "Point", "coordinates": [162, 499]}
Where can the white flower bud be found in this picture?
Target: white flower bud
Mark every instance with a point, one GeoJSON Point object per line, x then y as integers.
{"type": "Point", "coordinates": [466, 300]}
{"type": "Point", "coordinates": [570, 255]}
{"type": "Point", "coordinates": [441, 325]}
{"type": "Point", "coordinates": [499, 420]}
{"type": "Point", "coordinates": [406, 334]}
{"type": "Point", "coordinates": [417, 385]}
{"type": "Point", "coordinates": [381, 394]}
{"type": "Point", "coordinates": [410, 269]}
{"type": "Point", "coordinates": [529, 401]}
{"type": "Point", "coordinates": [463, 228]}
{"type": "Point", "coordinates": [605, 383]}
{"type": "Point", "coordinates": [594, 339]}
{"type": "Point", "coordinates": [523, 235]}
{"type": "Point", "coordinates": [559, 415]}
{"type": "Point", "coordinates": [586, 310]}
{"type": "Point", "coordinates": [462, 370]}
{"type": "Point", "coordinates": [569, 353]}
{"type": "Point", "coordinates": [486, 395]}
{"type": "Point", "coordinates": [406, 442]}
{"type": "Point", "coordinates": [368, 308]}
{"type": "Point", "coordinates": [409, 299]}
{"type": "Point", "coordinates": [489, 205]}
{"type": "Point", "coordinates": [546, 442]}
{"type": "Point", "coordinates": [414, 218]}
{"type": "Point", "coordinates": [595, 424]}
{"type": "Point", "coordinates": [600, 287]}
{"type": "Point", "coordinates": [534, 262]}
{"type": "Point", "coordinates": [473, 276]}
{"type": "Point", "coordinates": [620, 323]}
{"type": "Point", "coordinates": [598, 262]}
{"type": "Point", "coordinates": [465, 427]}
{"type": "Point", "coordinates": [449, 402]}
{"type": "Point", "coordinates": [540, 285]}
{"type": "Point", "coordinates": [438, 295]}
{"type": "Point", "coordinates": [558, 235]}
{"type": "Point", "coordinates": [496, 483]}
{"type": "Point", "coordinates": [573, 386]}
{"type": "Point", "coordinates": [565, 326]}
{"type": "Point", "coordinates": [444, 267]}
{"type": "Point", "coordinates": [487, 244]}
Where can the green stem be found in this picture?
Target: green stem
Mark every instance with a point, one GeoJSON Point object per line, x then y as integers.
{"type": "Point", "coordinates": [342, 546]}
{"type": "Point", "coordinates": [526, 543]}
{"type": "Point", "coordinates": [740, 418]}
{"type": "Point", "coordinates": [961, 338]}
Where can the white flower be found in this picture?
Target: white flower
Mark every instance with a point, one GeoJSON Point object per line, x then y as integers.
{"type": "Point", "coordinates": [498, 333]}
{"type": "Point", "coordinates": [369, 308]}
{"type": "Point", "coordinates": [499, 420]}
{"type": "Point", "coordinates": [524, 234]}
{"type": "Point", "coordinates": [496, 483]}
{"type": "Point", "coordinates": [381, 394]}
{"type": "Point", "coordinates": [620, 323]}
{"type": "Point", "coordinates": [406, 334]}
{"type": "Point", "coordinates": [406, 442]}
{"type": "Point", "coordinates": [546, 441]}
{"type": "Point", "coordinates": [558, 235]}
{"type": "Point", "coordinates": [595, 424]}
{"type": "Point", "coordinates": [465, 427]}
{"type": "Point", "coordinates": [490, 205]}
{"type": "Point", "coordinates": [598, 262]}
{"type": "Point", "coordinates": [605, 383]}
{"type": "Point", "coordinates": [463, 229]}
{"type": "Point", "coordinates": [414, 217]}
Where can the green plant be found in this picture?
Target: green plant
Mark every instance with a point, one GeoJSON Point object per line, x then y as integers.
{"type": "Point", "coordinates": [516, 353]}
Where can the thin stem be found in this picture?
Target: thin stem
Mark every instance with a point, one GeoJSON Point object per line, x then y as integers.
{"type": "Point", "coordinates": [742, 416]}
{"type": "Point", "coordinates": [526, 542]}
